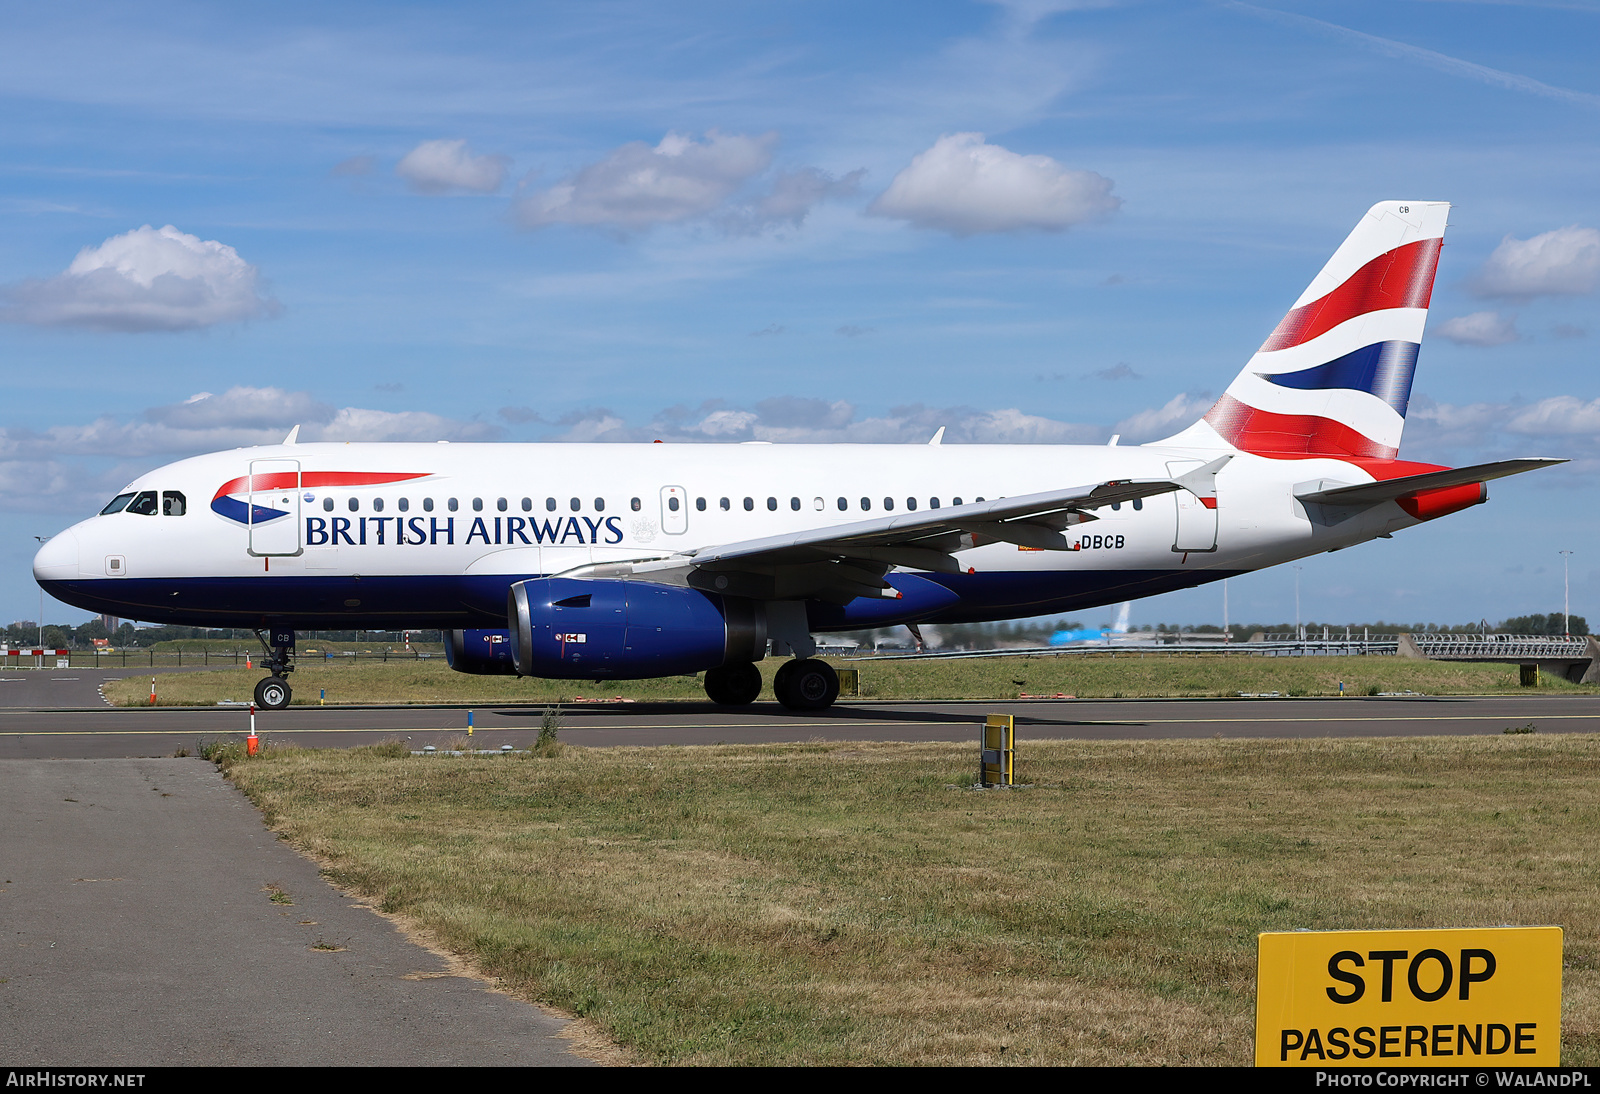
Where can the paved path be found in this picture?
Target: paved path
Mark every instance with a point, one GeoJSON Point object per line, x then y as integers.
{"type": "Point", "coordinates": [139, 930]}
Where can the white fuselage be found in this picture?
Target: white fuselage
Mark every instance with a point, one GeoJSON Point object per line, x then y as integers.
{"type": "Point", "coordinates": [438, 546]}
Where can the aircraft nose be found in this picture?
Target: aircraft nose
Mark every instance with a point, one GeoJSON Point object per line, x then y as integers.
{"type": "Point", "coordinates": [57, 559]}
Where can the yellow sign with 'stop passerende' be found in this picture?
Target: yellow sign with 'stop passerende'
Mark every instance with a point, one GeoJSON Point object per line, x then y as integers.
{"type": "Point", "coordinates": [1409, 998]}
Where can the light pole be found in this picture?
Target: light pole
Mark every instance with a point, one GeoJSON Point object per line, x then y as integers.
{"type": "Point", "coordinates": [42, 540]}
{"type": "Point", "coordinates": [1300, 635]}
{"type": "Point", "coordinates": [1566, 596]}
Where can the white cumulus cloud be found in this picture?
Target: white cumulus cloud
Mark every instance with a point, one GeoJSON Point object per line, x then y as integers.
{"type": "Point", "coordinates": [1560, 263]}
{"type": "Point", "coordinates": [1178, 413]}
{"type": "Point", "coordinates": [637, 186]}
{"type": "Point", "coordinates": [437, 167]}
{"type": "Point", "coordinates": [1481, 328]}
{"type": "Point", "coordinates": [1564, 415]}
{"type": "Point", "coordinates": [964, 186]}
{"type": "Point", "coordinates": [147, 279]}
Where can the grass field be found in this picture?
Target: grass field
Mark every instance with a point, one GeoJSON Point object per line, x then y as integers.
{"type": "Point", "coordinates": [832, 904]}
{"type": "Point", "coordinates": [1085, 675]}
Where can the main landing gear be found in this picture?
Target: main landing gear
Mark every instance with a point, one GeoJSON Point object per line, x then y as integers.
{"type": "Point", "coordinates": [734, 685]}
{"type": "Point", "coordinates": [274, 692]}
{"type": "Point", "coordinates": [805, 684]}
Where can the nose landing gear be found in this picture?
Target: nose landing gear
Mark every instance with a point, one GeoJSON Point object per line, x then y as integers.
{"type": "Point", "coordinates": [274, 692]}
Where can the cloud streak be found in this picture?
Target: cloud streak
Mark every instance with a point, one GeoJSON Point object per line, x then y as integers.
{"type": "Point", "coordinates": [1440, 62]}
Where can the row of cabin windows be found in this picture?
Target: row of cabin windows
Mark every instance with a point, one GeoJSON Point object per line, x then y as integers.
{"type": "Point", "coordinates": [171, 503]}
{"type": "Point", "coordinates": [146, 503]}
{"type": "Point", "coordinates": [576, 504]}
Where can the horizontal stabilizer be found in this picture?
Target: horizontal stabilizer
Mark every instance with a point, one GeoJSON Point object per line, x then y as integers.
{"type": "Point", "coordinates": [1371, 493]}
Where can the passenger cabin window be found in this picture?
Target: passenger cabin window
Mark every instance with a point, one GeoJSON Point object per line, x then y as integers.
{"type": "Point", "coordinates": [933, 503]}
{"type": "Point", "coordinates": [1138, 503]}
{"type": "Point", "coordinates": [116, 504]}
{"type": "Point", "coordinates": [726, 504]}
{"type": "Point", "coordinates": [955, 501]}
{"type": "Point", "coordinates": [353, 504]}
{"type": "Point", "coordinates": [672, 503]}
{"type": "Point", "coordinates": [888, 503]}
{"type": "Point", "coordinates": [172, 504]}
{"type": "Point", "coordinates": [700, 504]}
{"type": "Point", "coordinates": [794, 503]}
{"type": "Point", "coordinates": [911, 503]}
{"type": "Point", "coordinates": [866, 504]}
{"type": "Point", "coordinates": [599, 505]}
{"type": "Point", "coordinates": [404, 504]}
{"type": "Point", "coordinates": [477, 505]}
{"type": "Point", "coordinates": [144, 503]}
{"type": "Point", "coordinates": [549, 505]}
{"type": "Point", "coordinates": [527, 505]}
{"type": "Point", "coordinates": [772, 504]}
{"type": "Point", "coordinates": [576, 504]}
{"type": "Point", "coordinates": [327, 505]}
{"type": "Point", "coordinates": [427, 505]}
{"type": "Point", "coordinates": [844, 503]}
{"type": "Point", "coordinates": [500, 504]}
{"type": "Point", "coordinates": [749, 504]}
{"type": "Point", "coordinates": [635, 504]}
{"type": "Point", "coordinates": [377, 505]}
{"type": "Point", "coordinates": [452, 505]}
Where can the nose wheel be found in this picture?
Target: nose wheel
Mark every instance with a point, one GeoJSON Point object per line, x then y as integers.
{"type": "Point", "coordinates": [274, 692]}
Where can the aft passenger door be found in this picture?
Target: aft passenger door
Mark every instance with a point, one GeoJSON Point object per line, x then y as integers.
{"type": "Point", "coordinates": [272, 500]}
{"type": "Point", "coordinates": [674, 510]}
{"type": "Point", "coordinates": [1197, 523]}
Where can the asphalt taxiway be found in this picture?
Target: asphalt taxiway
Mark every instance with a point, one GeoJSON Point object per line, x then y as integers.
{"type": "Point", "coordinates": [59, 714]}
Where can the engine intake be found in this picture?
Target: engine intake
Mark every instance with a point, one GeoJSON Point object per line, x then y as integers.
{"type": "Point", "coordinates": [570, 629]}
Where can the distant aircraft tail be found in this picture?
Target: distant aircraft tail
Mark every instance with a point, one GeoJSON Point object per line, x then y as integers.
{"type": "Point", "coordinates": [1334, 377]}
{"type": "Point", "coordinates": [1121, 625]}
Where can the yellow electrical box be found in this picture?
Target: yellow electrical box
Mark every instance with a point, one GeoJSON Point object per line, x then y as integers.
{"type": "Point", "coordinates": [1409, 998]}
{"type": "Point", "coordinates": [999, 750]}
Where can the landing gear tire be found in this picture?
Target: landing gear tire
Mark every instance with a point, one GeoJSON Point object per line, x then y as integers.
{"type": "Point", "coordinates": [733, 685]}
{"type": "Point", "coordinates": [273, 693]}
{"type": "Point", "coordinates": [806, 685]}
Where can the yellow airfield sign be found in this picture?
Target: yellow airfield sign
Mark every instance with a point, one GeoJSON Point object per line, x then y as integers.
{"type": "Point", "coordinates": [1409, 998]}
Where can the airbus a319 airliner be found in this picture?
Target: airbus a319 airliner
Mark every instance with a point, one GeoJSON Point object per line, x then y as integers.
{"type": "Point", "coordinates": [612, 561]}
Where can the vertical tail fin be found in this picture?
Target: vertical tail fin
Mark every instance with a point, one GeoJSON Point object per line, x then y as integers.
{"type": "Point", "coordinates": [1334, 376]}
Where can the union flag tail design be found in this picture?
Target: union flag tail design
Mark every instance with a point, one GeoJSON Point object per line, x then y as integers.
{"type": "Point", "coordinates": [1334, 377]}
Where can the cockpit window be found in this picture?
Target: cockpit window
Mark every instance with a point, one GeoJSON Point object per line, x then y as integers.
{"type": "Point", "coordinates": [116, 504]}
{"type": "Point", "coordinates": [172, 504]}
{"type": "Point", "coordinates": [144, 503]}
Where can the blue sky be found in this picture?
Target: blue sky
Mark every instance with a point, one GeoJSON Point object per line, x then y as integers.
{"type": "Point", "coordinates": [420, 222]}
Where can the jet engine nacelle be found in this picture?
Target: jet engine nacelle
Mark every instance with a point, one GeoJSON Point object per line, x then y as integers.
{"type": "Point", "coordinates": [480, 652]}
{"type": "Point", "coordinates": [565, 628]}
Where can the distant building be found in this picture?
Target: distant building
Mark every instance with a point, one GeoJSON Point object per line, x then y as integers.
{"type": "Point", "coordinates": [110, 623]}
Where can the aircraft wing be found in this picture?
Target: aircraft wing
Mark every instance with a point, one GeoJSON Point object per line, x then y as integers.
{"type": "Point", "coordinates": [840, 562]}
{"type": "Point", "coordinates": [1371, 493]}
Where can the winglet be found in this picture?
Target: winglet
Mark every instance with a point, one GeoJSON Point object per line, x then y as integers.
{"type": "Point", "coordinates": [1202, 481]}
{"type": "Point", "coordinates": [293, 437]}
{"type": "Point", "coordinates": [938, 438]}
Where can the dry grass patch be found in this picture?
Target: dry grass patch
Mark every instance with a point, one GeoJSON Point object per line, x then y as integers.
{"type": "Point", "coordinates": [783, 904]}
